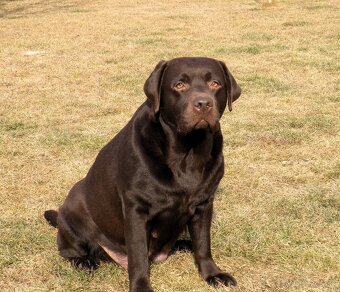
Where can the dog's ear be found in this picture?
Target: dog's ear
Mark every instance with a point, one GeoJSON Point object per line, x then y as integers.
{"type": "Point", "coordinates": [152, 86]}
{"type": "Point", "coordinates": [233, 90]}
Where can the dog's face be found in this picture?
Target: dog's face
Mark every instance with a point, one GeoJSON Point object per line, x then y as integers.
{"type": "Point", "coordinates": [191, 93]}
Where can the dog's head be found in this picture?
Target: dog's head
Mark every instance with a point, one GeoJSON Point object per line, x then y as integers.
{"type": "Point", "coordinates": [191, 93]}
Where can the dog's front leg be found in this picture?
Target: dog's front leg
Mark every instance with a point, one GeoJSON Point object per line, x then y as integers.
{"type": "Point", "coordinates": [136, 243]}
{"type": "Point", "coordinates": [199, 229]}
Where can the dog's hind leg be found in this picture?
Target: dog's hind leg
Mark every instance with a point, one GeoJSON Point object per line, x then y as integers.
{"type": "Point", "coordinates": [74, 247]}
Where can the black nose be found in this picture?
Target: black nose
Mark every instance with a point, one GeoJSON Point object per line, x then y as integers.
{"type": "Point", "coordinates": [203, 104]}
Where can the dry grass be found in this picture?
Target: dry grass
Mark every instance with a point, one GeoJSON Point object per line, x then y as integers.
{"type": "Point", "coordinates": [71, 75]}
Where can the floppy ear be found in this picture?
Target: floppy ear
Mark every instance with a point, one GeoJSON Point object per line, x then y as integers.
{"type": "Point", "coordinates": [233, 90]}
{"type": "Point", "coordinates": [152, 86]}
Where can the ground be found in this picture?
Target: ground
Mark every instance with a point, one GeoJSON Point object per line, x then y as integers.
{"type": "Point", "coordinates": [71, 76]}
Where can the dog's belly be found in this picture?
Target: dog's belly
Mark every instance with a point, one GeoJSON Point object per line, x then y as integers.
{"type": "Point", "coordinates": [119, 257]}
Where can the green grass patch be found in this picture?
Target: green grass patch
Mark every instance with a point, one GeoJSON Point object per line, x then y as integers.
{"type": "Point", "coordinates": [315, 122]}
{"type": "Point", "coordinates": [295, 23]}
{"type": "Point", "coordinates": [334, 98]}
{"type": "Point", "coordinates": [334, 173]}
{"type": "Point", "coordinates": [320, 64]}
{"type": "Point", "coordinates": [17, 128]}
{"type": "Point", "coordinates": [321, 7]}
{"type": "Point", "coordinates": [72, 140]}
{"type": "Point", "coordinates": [258, 37]}
{"type": "Point", "coordinates": [254, 49]}
{"type": "Point", "coordinates": [263, 83]}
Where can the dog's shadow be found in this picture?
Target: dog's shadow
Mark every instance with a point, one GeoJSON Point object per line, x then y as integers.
{"type": "Point", "coordinates": [182, 245]}
{"type": "Point", "coordinates": [92, 263]}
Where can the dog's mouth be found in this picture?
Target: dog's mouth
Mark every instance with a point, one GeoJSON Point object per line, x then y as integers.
{"type": "Point", "coordinates": [207, 122]}
{"type": "Point", "coordinates": [211, 124]}
{"type": "Point", "coordinates": [202, 124]}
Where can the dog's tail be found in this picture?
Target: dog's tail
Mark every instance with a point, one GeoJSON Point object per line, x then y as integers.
{"type": "Point", "coordinates": [51, 217]}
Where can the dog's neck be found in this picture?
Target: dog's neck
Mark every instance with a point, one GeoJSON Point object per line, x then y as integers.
{"type": "Point", "coordinates": [200, 142]}
{"type": "Point", "coordinates": [196, 151]}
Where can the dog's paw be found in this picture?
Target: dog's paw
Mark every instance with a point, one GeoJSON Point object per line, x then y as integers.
{"type": "Point", "coordinates": [221, 279]}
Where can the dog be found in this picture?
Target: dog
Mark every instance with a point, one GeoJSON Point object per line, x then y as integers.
{"type": "Point", "coordinates": [156, 178]}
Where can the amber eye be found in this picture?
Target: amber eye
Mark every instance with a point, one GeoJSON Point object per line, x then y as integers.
{"type": "Point", "coordinates": [179, 85]}
{"type": "Point", "coordinates": [214, 84]}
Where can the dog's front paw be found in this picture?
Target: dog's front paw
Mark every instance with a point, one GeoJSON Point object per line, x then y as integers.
{"type": "Point", "coordinates": [221, 279]}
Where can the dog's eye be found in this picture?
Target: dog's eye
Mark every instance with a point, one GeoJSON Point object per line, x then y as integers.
{"type": "Point", "coordinates": [214, 84]}
{"type": "Point", "coordinates": [180, 85]}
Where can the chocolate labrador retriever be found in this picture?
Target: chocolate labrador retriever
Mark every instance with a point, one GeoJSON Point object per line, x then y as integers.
{"type": "Point", "coordinates": [156, 178]}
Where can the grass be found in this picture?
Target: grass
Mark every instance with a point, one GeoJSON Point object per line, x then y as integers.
{"type": "Point", "coordinates": [72, 73]}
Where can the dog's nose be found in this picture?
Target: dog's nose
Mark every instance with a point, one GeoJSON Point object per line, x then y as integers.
{"type": "Point", "coordinates": [203, 104]}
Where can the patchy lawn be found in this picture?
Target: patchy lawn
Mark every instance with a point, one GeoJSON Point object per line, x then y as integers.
{"type": "Point", "coordinates": [71, 75]}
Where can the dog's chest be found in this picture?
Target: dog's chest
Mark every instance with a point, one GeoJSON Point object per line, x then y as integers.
{"type": "Point", "coordinates": [171, 219]}
{"type": "Point", "coordinates": [178, 206]}
{"type": "Point", "coordinates": [189, 172]}
{"type": "Point", "coordinates": [194, 183]}
{"type": "Point", "coordinates": [194, 178]}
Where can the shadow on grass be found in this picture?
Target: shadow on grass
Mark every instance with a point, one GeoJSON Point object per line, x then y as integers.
{"type": "Point", "coordinates": [11, 9]}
